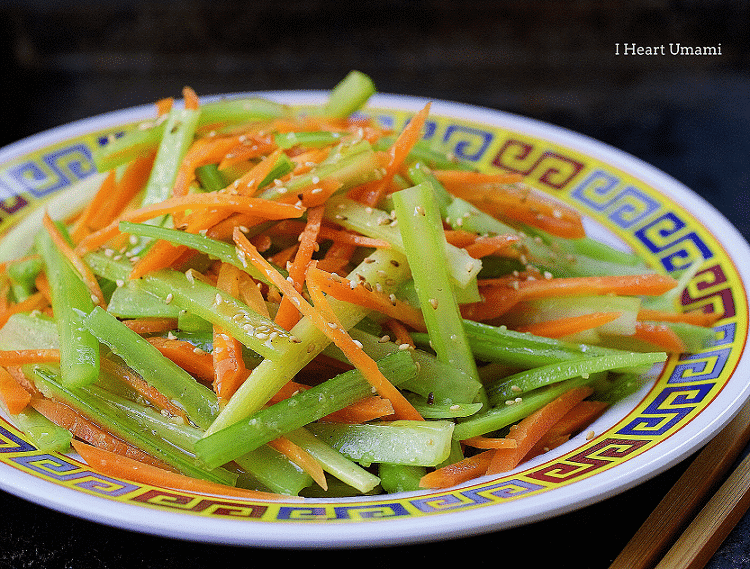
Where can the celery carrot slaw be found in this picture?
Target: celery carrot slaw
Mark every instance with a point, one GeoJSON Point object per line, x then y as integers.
{"type": "Point", "coordinates": [266, 301]}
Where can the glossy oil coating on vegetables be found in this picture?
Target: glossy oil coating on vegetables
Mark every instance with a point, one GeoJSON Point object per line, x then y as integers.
{"type": "Point", "coordinates": [267, 301]}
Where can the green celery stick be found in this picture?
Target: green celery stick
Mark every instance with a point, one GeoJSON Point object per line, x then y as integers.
{"type": "Point", "coordinates": [199, 402]}
{"type": "Point", "coordinates": [43, 433]}
{"type": "Point", "coordinates": [349, 95]}
{"type": "Point", "coordinates": [274, 471]}
{"type": "Point", "coordinates": [29, 332]}
{"type": "Point", "coordinates": [132, 300]}
{"type": "Point", "coordinates": [210, 178]}
{"type": "Point", "coordinates": [314, 139]}
{"type": "Point", "coordinates": [496, 418]}
{"type": "Point", "coordinates": [334, 462]}
{"type": "Point", "coordinates": [297, 411]}
{"type": "Point", "coordinates": [400, 477]}
{"type": "Point", "coordinates": [520, 383]}
{"type": "Point", "coordinates": [71, 301]}
{"type": "Point", "coordinates": [431, 410]}
{"type": "Point", "coordinates": [424, 240]}
{"type": "Point", "coordinates": [416, 443]}
{"type": "Point", "coordinates": [46, 379]}
{"type": "Point", "coordinates": [383, 268]}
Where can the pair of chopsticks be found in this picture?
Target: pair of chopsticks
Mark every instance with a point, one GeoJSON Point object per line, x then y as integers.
{"type": "Point", "coordinates": [650, 546]}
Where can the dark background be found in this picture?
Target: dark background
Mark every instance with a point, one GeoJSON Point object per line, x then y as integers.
{"type": "Point", "coordinates": [552, 60]}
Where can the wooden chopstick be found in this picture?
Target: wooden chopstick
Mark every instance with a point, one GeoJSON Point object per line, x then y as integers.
{"type": "Point", "coordinates": [684, 499]}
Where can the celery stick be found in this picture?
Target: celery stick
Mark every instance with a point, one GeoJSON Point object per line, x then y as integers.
{"type": "Point", "coordinates": [199, 402]}
{"type": "Point", "coordinates": [444, 383]}
{"type": "Point", "coordinates": [334, 462]}
{"type": "Point", "coordinates": [107, 267]}
{"type": "Point", "coordinates": [175, 141]}
{"type": "Point", "coordinates": [422, 233]}
{"type": "Point", "coordinates": [29, 332]}
{"type": "Point", "coordinates": [400, 477]}
{"type": "Point", "coordinates": [302, 408]}
{"type": "Point", "coordinates": [240, 109]}
{"type": "Point", "coordinates": [274, 471]}
{"type": "Point", "coordinates": [503, 415]}
{"type": "Point", "coordinates": [71, 300]}
{"type": "Point", "coordinates": [46, 379]}
{"type": "Point", "coordinates": [417, 443]}
{"type": "Point", "coordinates": [132, 300]}
{"type": "Point", "coordinates": [431, 410]}
{"type": "Point", "coordinates": [349, 95]}
{"type": "Point", "coordinates": [43, 433]}
{"type": "Point", "coordinates": [380, 225]}
{"type": "Point", "coordinates": [420, 174]}
{"type": "Point", "coordinates": [25, 271]}
{"type": "Point", "coordinates": [254, 330]}
{"type": "Point", "coordinates": [314, 139]}
{"type": "Point", "coordinates": [520, 383]}
{"type": "Point", "coordinates": [383, 268]}
{"type": "Point", "coordinates": [210, 178]}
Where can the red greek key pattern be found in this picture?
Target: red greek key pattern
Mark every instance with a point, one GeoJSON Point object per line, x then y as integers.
{"type": "Point", "coordinates": [200, 504]}
{"type": "Point", "coordinates": [549, 168]}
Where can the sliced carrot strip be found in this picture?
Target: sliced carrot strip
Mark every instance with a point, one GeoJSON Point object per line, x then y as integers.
{"type": "Point", "coordinates": [123, 467]}
{"type": "Point", "coordinates": [696, 317]}
{"type": "Point", "coordinates": [151, 325]}
{"type": "Point", "coordinates": [229, 367]}
{"type": "Point", "coordinates": [659, 335]}
{"type": "Point", "coordinates": [458, 472]}
{"type": "Point", "coordinates": [367, 409]}
{"type": "Point", "coordinates": [301, 458]}
{"type": "Point", "coordinates": [14, 395]}
{"type": "Point", "coordinates": [452, 177]}
{"type": "Point", "coordinates": [21, 357]}
{"type": "Point", "coordinates": [569, 325]}
{"type": "Point", "coordinates": [193, 360]}
{"type": "Point", "coordinates": [490, 442]}
{"type": "Point", "coordinates": [573, 421]}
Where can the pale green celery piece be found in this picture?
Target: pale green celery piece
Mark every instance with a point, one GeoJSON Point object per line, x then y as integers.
{"type": "Point", "coordinates": [275, 471]}
{"type": "Point", "coordinates": [422, 233]}
{"type": "Point", "coordinates": [43, 433]}
{"type": "Point", "coordinates": [199, 402]}
{"type": "Point", "coordinates": [106, 266]}
{"type": "Point", "coordinates": [241, 109]}
{"type": "Point", "coordinates": [29, 332]}
{"type": "Point", "coordinates": [254, 330]}
{"type": "Point", "coordinates": [25, 271]}
{"type": "Point", "coordinates": [669, 301]}
{"type": "Point", "coordinates": [46, 379]}
{"type": "Point", "coordinates": [417, 443]}
{"type": "Point", "coordinates": [496, 418]}
{"type": "Point", "coordinates": [71, 301]}
{"type": "Point", "coordinates": [349, 95]}
{"type": "Point", "coordinates": [542, 310]}
{"type": "Point", "coordinates": [432, 410]}
{"type": "Point", "coordinates": [419, 173]}
{"type": "Point", "coordinates": [175, 141]}
{"type": "Point", "coordinates": [211, 180]}
{"type": "Point", "coordinates": [400, 477]}
{"type": "Point", "coordinates": [333, 462]}
{"type": "Point", "coordinates": [379, 224]}
{"type": "Point", "coordinates": [314, 139]}
{"type": "Point", "coordinates": [272, 374]}
{"type": "Point", "coordinates": [189, 322]}
{"type": "Point", "coordinates": [436, 379]}
{"type": "Point", "coordinates": [133, 301]}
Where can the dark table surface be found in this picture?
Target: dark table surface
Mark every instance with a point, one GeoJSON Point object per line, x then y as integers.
{"type": "Point", "coordinates": [549, 60]}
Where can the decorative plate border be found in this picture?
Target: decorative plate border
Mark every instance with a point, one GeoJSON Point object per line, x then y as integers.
{"type": "Point", "coordinates": [606, 185]}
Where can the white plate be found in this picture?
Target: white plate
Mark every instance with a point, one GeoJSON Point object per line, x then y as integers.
{"type": "Point", "coordinates": [625, 201]}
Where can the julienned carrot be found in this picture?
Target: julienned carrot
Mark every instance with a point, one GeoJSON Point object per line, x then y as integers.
{"type": "Point", "coordinates": [151, 325]}
{"type": "Point", "coordinates": [400, 332]}
{"type": "Point", "coordinates": [130, 185]}
{"type": "Point", "coordinates": [14, 395]}
{"type": "Point", "coordinates": [301, 458]}
{"type": "Point", "coordinates": [696, 317]}
{"type": "Point", "coordinates": [501, 294]}
{"type": "Point", "coordinates": [191, 99]}
{"type": "Point", "coordinates": [358, 293]}
{"type": "Point", "coordinates": [337, 258]}
{"type": "Point", "coordinates": [249, 183]}
{"type": "Point", "coordinates": [398, 152]}
{"type": "Point", "coordinates": [569, 325]}
{"type": "Point", "coordinates": [498, 245]}
{"type": "Point", "coordinates": [451, 177]}
{"type": "Point", "coordinates": [190, 358]}
{"type": "Point", "coordinates": [490, 442]}
{"type": "Point", "coordinates": [573, 421]}
{"type": "Point", "coordinates": [123, 467]}
{"type": "Point", "coordinates": [35, 301]}
{"type": "Point", "coordinates": [288, 315]}
{"type": "Point", "coordinates": [293, 227]}
{"type": "Point", "coordinates": [458, 472]}
{"type": "Point", "coordinates": [229, 367]}
{"type": "Point", "coordinates": [532, 428]}
{"type": "Point", "coordinates": [251, 295]}
{"type": "Point", "coordinates": [337, 334]}
{"type": "Point", "coordinates": [659, 335]}
{"type": "Point", "coordinates": [21, 357]}
{"type": "Point", "coordinates": [141, 386]}
{"type": "Point", "coordinates": [163, 106]}
{"type": "Point", "coordinates": [86, 430]}
{"type": "Point", "coordinates": [82, 268]}
{"type": "Point", "coordinates": [83, 225]}
{"type": "Point", "coordinates": [252, 146]}
{"type": "Point", "coordinates": [367, 409]}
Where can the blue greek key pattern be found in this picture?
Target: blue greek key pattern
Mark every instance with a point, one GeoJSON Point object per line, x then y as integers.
{"type": "Point", "coordinates": [54, 170]}
{"type": "Point", "coordinates": [625, 206]}
{"type": "Point", "coordinates": [670, 238]}
{"type": "Point", "coordinates": [495, 492]}
{"type": "Point", "coordinates": [11, 443]}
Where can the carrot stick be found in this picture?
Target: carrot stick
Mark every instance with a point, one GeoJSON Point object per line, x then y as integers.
{"type": "Point", "coordinates": [569, 325]}
{"type": "Point", "coordinates": [458, 472]}
{"type": "Point", "coordinates": [83, 225]}
{"type": "Point", "coordinates": [451, 177]}
{"type": "Point", "coordinates": [337, 257]}
{"type": "Point", "coordinates": [250, 294]}
{"type": "Point", "coordinates": [573, 421]}
{"type": "Point", "coordinates": [659, 335]}
{"type": "Point", "coordinates": [293, 227]}
{"type": "Point", "coordinates": [21, 357]}
{"type": "Point", "coordinates": [532, 428]}
{"type": "Point", "coordinates": [142, 387]}
{"type": "Point", "coordinates": [85, 429]}
{"type": "Point", "coordinates": [494, 245]}
{"type": "Point", "coordinates": [36, 301]}
{"type": "Point", "coordinates": [367, 409]}
{"type": "Point", "coordinates": [403, 337]}
{"type": "Point", "coordinates": [301, 458]}
{"type": "Point", "coordinates": [124, 467]}
{"type": "Point", "coordinates": [361, 295]}
{"type": "Point", "coordinates": [14, 395]}
{"type": "Point", "coordinates": [191, 99]}
{"type": "Point", "coordinates": [81, 268]}
{"type": "Point", "coordinates": [132, 182]}
{"type": "Point", "coordinates": [696, 317]}
{"type": "Point", "coordinates": [229, 367]}
{"type": "Point", "coordinates": [337, 334]}
{"type": "Point", "coordinates": [151, 325]}
{"type": "Point", "coordinates": [490, 442]}
{"type": "Point", "coordinates": [288, 315]}
{"type": "Point", "coordinates": [193, 360]}
{"type": "Point", "coordinates": [163, 106]}
{"type": "Point", "coordinates": [161, 255]}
